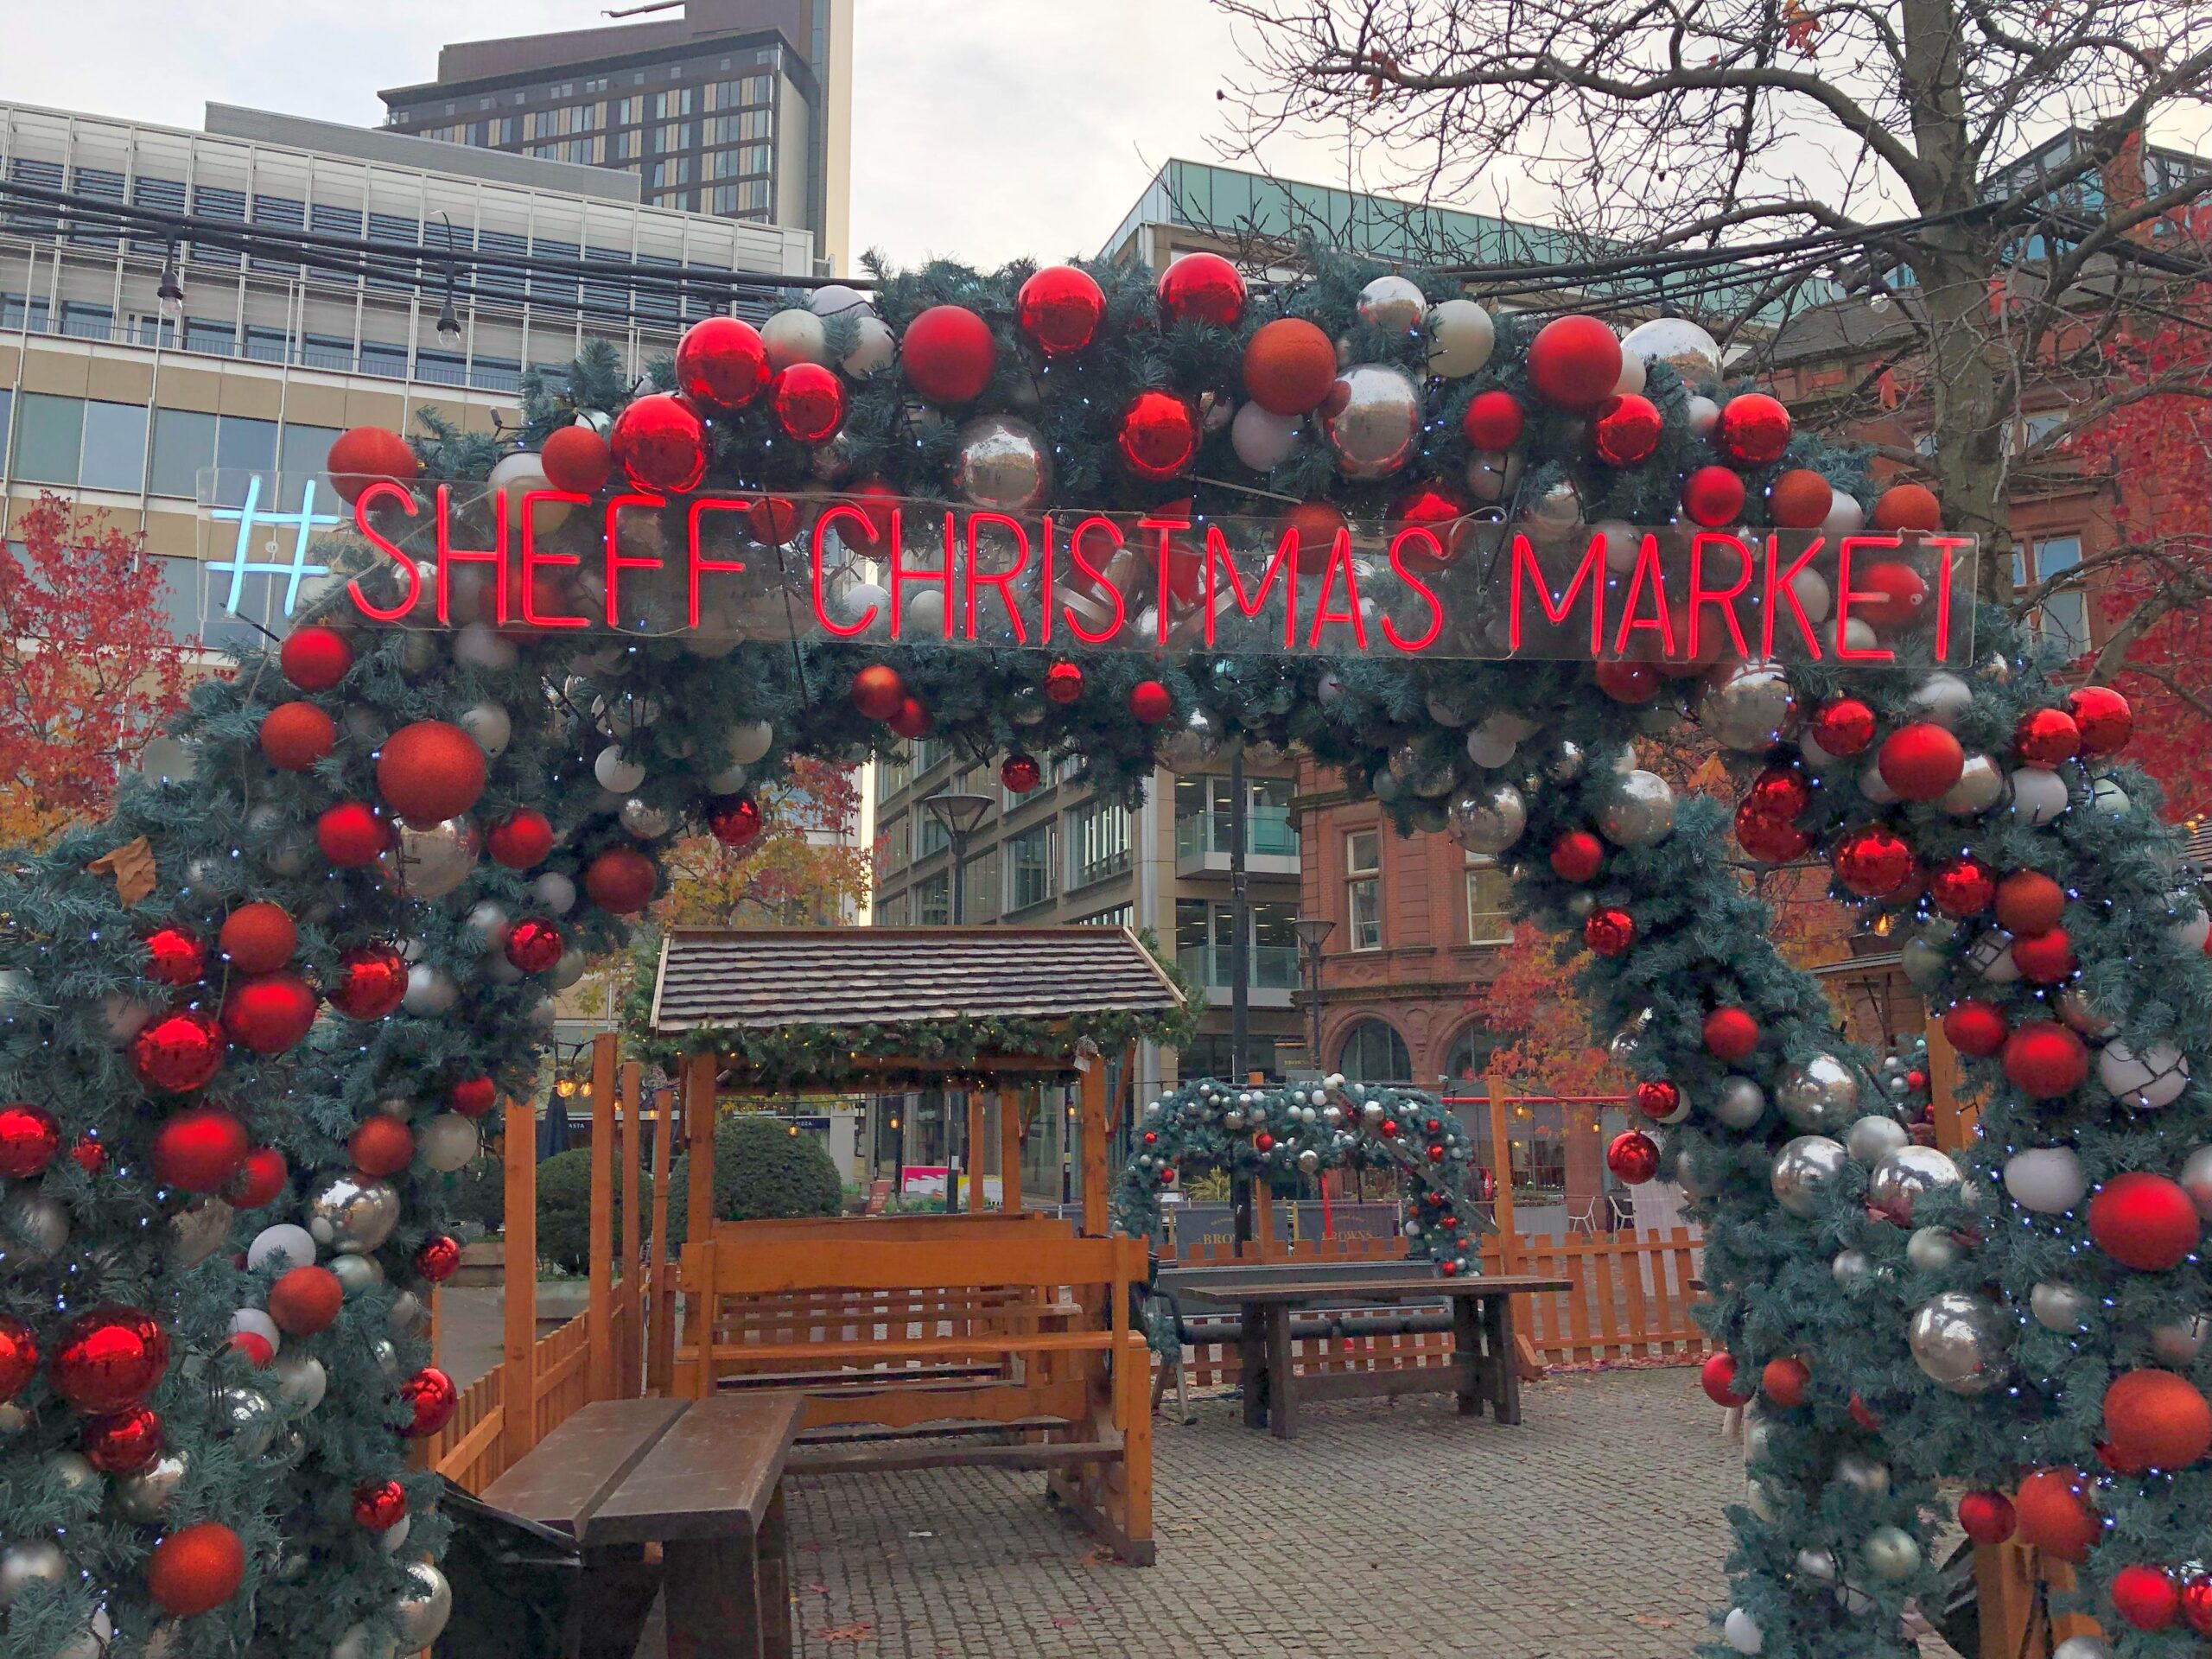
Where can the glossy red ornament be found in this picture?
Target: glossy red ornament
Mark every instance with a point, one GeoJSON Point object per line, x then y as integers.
{"type": "Point", "coordinates": [29, 1139]}
{"type": "Point", "coordinates": [1440, 511]}
{"type": "Point", "coordinates": [1633, 1156]}
{"type": "Point", "coordinates": [372, 982]}
{"type": "Point", "coordinates": [1202, 287]}
{"type": "Point", "coordinates": [1609, 931]}
{"type": "Point", "coordinates": [1962, 887]}
{"type": "Point", "coordinates": [809, 401]}
{"type": "Point", "coordinates": [429, 1398]}
{"type": "Point", "coordinates": [270, 1012]}
{"type": "Point", "coordinates": [195, 1570]}
{"type": "Point", "coordinates": [379, 1505]}
{"type": "Point", "coordinates": [1717, 1376]}
{"type": "Point", "coordinates": [381, 1145]}
{"type": "Point", "coordinates": [1020, 773]}
{"type": "Point", "coordinates": [1769, 839]}
{"type": "Point", "coordinates": [429, 772]}
{"type": "Point", "coordinates": [576, 459]}
{"type": "Point", "coordinates": [521, 840]}
{"type": "Point", "coordinates": [366, 456]}
{"type": "Point", "coordinates": [733, 820]}
{"type": "Point", "coordinates": [1921, 761]}
{"type": "Point", "coordinates": [175, 956]}
{"type": "Point", "coordinates": [2045, 959]}
{"type": "Point", "coordinates": [1264, 1142]}
{"type": "Point", "coordinates": [259, 937]}
{"type": "Point", "coordinates": [305, 1300]}
{"type": "Point", "coordinates": [88, 1155]}
{"type": "Point", "coordinates": [1493, 421]}
{"type": "Point", "coordinates": [1625, 681]}
{"type": "Point", "coordinates": [1730, 1034]}
{"type": "Point", "coordinates": [315, 658]}
{"type": "Point", "coordinates": [773, 519]}
{"type": "Point", "coordinates": [621, 880]}
{"type": "Point", "coordinates": [1888, 594]}
{"type": "Point", "coordinates": [200, 1149]}
{"type": "Point", "coordinates": [1625, 429]}
{"type": "Point", "coordinates": [2044, 737]}
{"type": "Point", "coordinates": [2103, 718]}
{"type": "Point", "coordinates": [437, 1258]}
{"type": "Point", "coordinates": [1714, 496]}
{"type": "Point", "coordinates": [1577, 856]}
{"type": "Point", "coordinates": [179, 1051]}
{"type": "Point", "coordinates": [1916, 1080]}
{"type": "Point", "coordinates": [1059, 309]}
{"type": "Point", "coordinates": [2144, 1221]}
{"type": "Point", "coordinates": [1150, 702]}
{"type": "Point", "coordinates": [1987, 1517]}
{"type": "Point", "coordinates": [2045, 1059]}
{"type": "Point", "coordinates": [18, 1356]}
{"type": "Point", "coordinates": [1975, 1028]}
{"type": "Point", "coordinates": [1575, 362]}
{"type": "Point", "coordinates": [1657, 1099]}
{"type": "Point", "coordinates": [472, 1096]}
{"type": "Point", "coordinates": [1907, 507]}
{"type": "Point", "coordinates": [351, 835]}
{"type": "Point", "coordinates": [721, 363]}
{"type": "Point", "coordinates": [1800, 499]}
{"type": "Point", "coordinates": [1780, 792]}
{"type": "Point", "coordinates": [910, 720]}
{"type": "Point", "coordinates": [1158, 434]}
{"type": "Point", "coordinates": [535, 944]}
{"type": "Point", "coordinates": [1874, 862]}
{"type": "Point", "coordinates": [1289, 366]}
{"type": "Point", "coordinates": [2146, 1597]}
{"type": "Point", "coordinates": [1862, 1414]}
{"type": "Point", "coordinates": [2028, 903]}
{"type": "Point", "coordinates": [661, 445]}
{"type": "Point", "coordinates": [1784, 1381]}
{"type": "Point", "coordinates": [948, 354]}
{"type": "Point", "coordinates": [1753, 429]}
{"type": "Point", "coordinates": [878, 690]}
{"type": "Point", "coordinates": [122, 1442]}
{"type": "Point", "coordinates": [1062, 683]}
{"type": "Point", "coordinates": [2155, 1419]}
{"type": "Point", "coordinates": [2197, 1604]}
{"type": "Point", "coordinates": [2051, 1508]}
{"type": "Point", "coordinates": [259, 1352]}
{"type": "Point", "coordinates": [1842, 726]}
{"type": "Point", "coordinates": [294, 735]}
{"type": "Point", "coordinates": [263, 1177]}
{"type": "Point", "coordinates": [108, 1358]}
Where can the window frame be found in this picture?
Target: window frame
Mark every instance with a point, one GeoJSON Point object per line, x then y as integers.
{"type": "Point", "coordinates": [1363, 889]}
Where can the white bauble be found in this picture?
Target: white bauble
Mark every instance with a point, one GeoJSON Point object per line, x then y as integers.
{"type": "Point", "coordinates": [523, 474]}
{"type": "Point", "coordinates": [1460, 338]}
{"type": "Point", "coordinates": [1980, 786]}
{"type": "Point", "coordinates": [750, 739]}
{"type": "Point", "coordinates": [2110, 799]}
{"type": "Point", "coordinates": [855, 604]}
{"type": "Point", "coordinates": [1859, 635]}
{"type": "Point", "coordinates": [1705, 415]}
{"type": "Point", "coordinates": [617, 773]}
{"type": "Point", "coordinates": [1814, 595]}
{"type": "Point", "coordinates": [2191, 932]}
{"type": "Point", "coordinates": [1875, 787]}
{"type": "Point", "coordinates": [2039, 796]}
{"type": "Point", "coordinates": [1262, 439]}
{"type": "Point", "coordinates": [490, 725]}
{"type": "Point", "coordinates": [2047, 1180]}
{"type": "Point", "coordinates": [297, 1383]}
{"type": "Point", "coordinates": [873, 349]}
{"type": "Point", "coordinates": [448, 1141]}
{"type": "Point", "coordinates": [795, 336]}
{"type": "Point", "coordinates": [2060, 1308]}
{"type": "Point", "coordinates": [2080, 1647]}
{"type": "Point", "coordinates": [1635, 374]}
{"type": "Point", "coordinates": [431, 991]}
{"type": "Point", "coordinates": [1990, 958]}
{"type": "Point", "coordinates": [2146, 1082]}
{"type": "Point", "coordinates": [1486, 748]}
{"type": "Point", "coordinates": [554, 891]}
{"type": "Point", "coordinates": [1741, 1631]}
{"type": "Point", "coordinates": [1845, 516]}
{"type": "Point", "coordinates": [125, 1016]}
{"type": "Point", "coordinates": [365, 1641]}
{"type": "Point", "coordinates": [838, 299]}
{"type": "Point", "coordinates": [284, 1245]}
{"type": "Point", "coordinates": [477, 646]}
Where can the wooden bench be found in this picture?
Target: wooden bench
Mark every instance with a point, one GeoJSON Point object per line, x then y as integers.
{"type": "Point", "coordinates": [703, 1480]}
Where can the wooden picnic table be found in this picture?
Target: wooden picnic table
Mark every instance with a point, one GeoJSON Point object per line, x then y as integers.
{"type": "Point", "coordinates": [1481, 1367]}
{"type": "Point", "coordinates": [702, 1479]}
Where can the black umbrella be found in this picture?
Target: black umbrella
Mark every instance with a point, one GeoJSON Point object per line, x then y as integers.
{"type": "Point", "coordinates": [553, 1128]}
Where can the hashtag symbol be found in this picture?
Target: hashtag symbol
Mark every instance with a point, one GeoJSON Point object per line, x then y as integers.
{"type": "Point", "coordinates": [242, 564]}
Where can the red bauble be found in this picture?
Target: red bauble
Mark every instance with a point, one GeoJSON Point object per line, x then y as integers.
{"type": "Point", "coordinates": [1657, 1099]}
{"type": "Point", "coordinates": [1577, 856]}
{"type": "Point", "coordinates": [88, 1155]}
{"type": "Point", "coordinates": [1753, 429]}
{"type": "Point", "coordinates": [1062, 683]}
{"type": "Point", "coordinates": [1862, 1414]}
{"type": "Point", "coordinates": [1493, 421]}
{"type": "Point", "coordinates": [430, 1397]}
{"type": "Point", "coordinates": [2146, 1597]}
{"type": "Point", "coordinates": [1627, 682]}
{"type": "Point", "coordinates": [576, 459]}
{"type": "Point", "coordinates": [1975, 1028]}
{"type": "Point", "coordinates": [29, 1139]}
{"type": "Point", "coordinates": [2045, 1060]}
{"type": "Point", "coordinates": [1907, 507]}
{"type": "Point", "coordinates": [1150, 702]}
{"type": "Point", "coordinates": [259, 937]}
{"type": "Point", "coordinates": [773, 519]}
{"type": "Point", "coordinates": [1779, 792]}
{"type": "Point", "coordinates": [1874, 862]}
{"type": "Point", "coordinates": [1714, 496]}
{"type": "Point", "coordinates": [430, 772]}
{"type": "Point", "coordinates": [1442, 511]}
{"type": "Point", "coordinates": [2052, 1508]}
{"type": "Point", "coordinates": [878, 691]}
{"type": "Point", "coordinates": [294, 735]}
{"type": "Point", "coordinates": [1609, 931]}
{"type": "Point", "coordinates": [1158, 436]}
{"type": "Point", "coordinates": [2197, 1604]}
{"type": "Point", "coordinates": [1717, 1376]}
{"type": "Point", "coordinates": [365, 455]}
{"type": "Point", "coordinates": [122, 1442]}
{"type": "Point", "coordinates": [1921, 761]}
{"type": "Point", "coordinates": [1574, 361]}
{"type": "Point", "coordinates": [315, 658]}
{"type": "Point", "coordinates": [2156, 1420]}
{"type": "Point", "coordinates": [1625, 429]}
{"type": "Point", "coordinates": [1289, 366]}
{"type": "Point", "coordinates": [1892, 593]}
{"type": "Point", "coordinates": [948, 354]}
{"type": "Point", "coordinates": [661, 444]}
{"type": "Point", "coordinates": [1020, 773]}
{"type": "Point", "coordinates": [733, 820]}
{"type": "Point", "coordinates": [809, 402]}
{"type": "Point", "coordinates": [520, 839]}
{"type": "Point", "coordinates": [2044, 737]}
{"type": "Point", "coordinates": [1962, 887]}
{"type": "Point", "coordinates": [437, 1258]}
{"type": "Point", "coordinates": [350, 834]}
{"type": "Point", "coordinates": [620, 880]}
{"type": "Point", "coordinates": [269, 1013]}
{"type": "Point", "coordinates": [534, 945]}
{"type": "Point", "coordinates": [2028, 903]}
{"type": "Point", "coordinates": [195, 1570]}
{"type": "Point", "coordinates": [175, 956]}
{"type": "Point", "coordinates": [1843, 727]}
{"type": "Point", "coordinates": [1059, 309]}
{"type": "Point", "coordinates": [1800, 499]}
{"type": "Point", "coordinates": [1769, 839]}
{"type": "Point", "coordinates": [1784, 1381]}
{"type": "Point", "coordinates": [2144, 1221]}
{"type": "Point", "coordinates": [1730, 1034]}
{"type": "Point", "coordinates": [910, 720]}
{"type": "Point", "coordinates": [109, 1358]}
{"type": "Point", "coordinates": [1202, 287]}
{"type": "Point", "coordinates": [379, 1505]}
{"type": "Point", "coordinates": [372, 982]}
{"type": "Point", "coordinates": [2102, 717]}
{"type": "Point", "coordinates": [305, 1300]}
{"type": "Point", "coordinates": [2045, 959]}
{"type": "Point", "coordinates": [472, 1096]}
{"type": "Point", "coordinates": [1633, 1156]}
{"type": "Point", "coordinates": [381, 1145]}
{"type": "Point", "coordinates": [179, 1051]}
{"type": "Point", "coordinates": [18, 1356]}
{"type": "Point", "coordinates": [200, 1150]}
{"type": "Point", "coordinates": [264, 1175]}
{"type": "Point", "coordinates": [1987, 1517]}
{"type": "Point", "coordinates": [721, 363]}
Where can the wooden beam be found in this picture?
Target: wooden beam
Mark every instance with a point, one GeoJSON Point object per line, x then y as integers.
{"type": "Point", "coordinates": [974, 1152]}
{"type": "Point", "coordinates": [1010, 1151]}
{"type": "Point", "coordinates": [631, 1376]}
{"type": "Point", "coordinates": [599, 1304]}
{"type": "Point", "coordinates": [1954, 1117]}
{"type": "Point", "coordinates": [1091, 1119]}
{"type": "Point", "coordinates": [660, 1359]}
{"type": "Point", "coordinates": [519, 1381]}
{"type": "Point", "coordinates": [1501, 1150]}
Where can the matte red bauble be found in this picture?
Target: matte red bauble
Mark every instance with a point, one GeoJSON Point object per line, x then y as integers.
{"type": "Point", "coordinates": [1202, 287]}
{"type": "Point", "coordinates": [1574, 361]}
{"type": "Point", "coordinates": [294, 735]}
{"type": "Point", "coordinates": [1874, 862]}
{"type": "Point", "coordinates": [1730, 1034]}
{"type": "Point", "coordinates": [948, 354]}
{"type": "Point", "coordinates": [2044, 737]}
{"type": "Point", "coordinates": [18, 1356]}
{"type": "Point", "coordinates": [2103, 718]}
{"type": "Point", "coordinates": [365, 455]}
{"type": "Point", "coordinates": [1020, 773]}
{"type": "Point", "coordinates": [1289, 366]}
{"type": "Point", "coordinates": [108, 1358]}
{"type": "Point", "coordinates": [1975, 1028]}
{"type": "Point", "coordinates": [1158, 436]}
{"type": "Point", "coordinates": [472, 1096]}
{"type": "Point", "coordinates": [2051, 1508]}
{"type": "Point", "coordinates": [372, 982]}
{"type": "Point", "coordinates": [1440, 511]}
{"type": "Point", "coordinates": [350, 834]}
{"type": "Point", "coordinates": [1657, 1099]}
{"type": "Point", "coordinates": [661, 444]}
{"type": "Point", "coordinates": [315, 658]}
{"type": "Point", "coordinates": [1714, 496]}
{"type": "Point", "coordinates": [910, 720]}
{"type": "Point", "coordinates": [1769, 839]}
{"type": "Point", "coordinates": [721, 363]}
{"type": "Point", "coordinates": [1987, 1517]}
{"type": "Point", "coordinates": [1843, 727]}
{"type": "Point", "coordinates": [122, 1442]}
{"type": "Point", "coordinates": [1633, 1156]}
{"type": "Point", "coordinates": [1784, 1381]}
{"type": "Point", "coordinates": [1062, 683]}
{"type": "Point", "coordinates": [1753, 429]}
{"type": "Point", "coordinates": [576, 459]}
{"type": "Point", "coordinates": [809, 401]}
{"type": "Point", "coordinates": [1921, 761]}
{"type": "Point", "coordinates": [2144, 1221]}
{"type": "Point", "coordinates": [1800, 499]}
{"type": "Point", "coordinates": [259, 937]}
{"type": "Point", "coordinates": [429, 1398]}
{"type": "Point", "coordinates": [1780, 792]}
{"type": "Point", "coordinates": [2045, 959]}
{"type": "Point", "coordinates": [733, 820]}
{"type": "Point", "coordinates": [1609, 931]}
{"type": "Point", "coordinates": [534, 945]}
{"type": "Point", "coordinates": [379, 1505]}
{"type": "Point", "coordinates": [200, 1150]}
{"type": "Point", "coordinates": [1577, 856]}
{"type": "Point", "coordinates": [520, 839]}
{"type": "Point", "coordinates": [2156, 1420]}
{"type": "Point", "coordinates": [430, 772]}
{"type": "Point", "coordinates": [1059, 309]}
{"type": "Point", "coordinates": [2146, 1597]}
{"type": "Point", "coordinates": [1625, 429]}
{"type": "Point", "coordinates": [305, 1300]}
{"type": "Point", "coordinates": [1907, 507]}
{"type": "Point", "coordinates": [263, 1177]}
{"type": "Point", "coordinates": [29, 1139]}
{"type": "Point", "coordinates": [2045, 1060]}
{"type": "Point", "coordinates": [1862, 1414]}
{"type": "Point", "coordinates": [1717, 1376]}
{"type": "Point", "coordinates": [271, 1012]}
{"type": "Point", "coordinates": [1962, 887]}
{"type": "Point", "coordinates": [2197, 1604]}
{"type": "Point", "coordinates": [2028, 903]}
{"type": "Point", "coordinates": [88, 1155]}
{"type": "Point", "coordinates": [195, 1570]}
{"type": "Point", "coordinates": [1889, 594]}
{"type": "Point", "coordinates": [382, 1145]}
{"type": "Point", "coordinates": [1150, 702]}
{"type": "Point", "coordinates": [620, 880]}
{"type": "Point", "coordinates": [180, 1051]}
{"type": "Point", "coordinates": [878, 690]}
{"type": "Point", "coordinates": [773, 519]}
{"type": "Point", "coordinates": [437, 1258]}
{"type": "Point", "coordinates": [1627, 682]}
{"type": "Point", "coordinates": [1493, 421]}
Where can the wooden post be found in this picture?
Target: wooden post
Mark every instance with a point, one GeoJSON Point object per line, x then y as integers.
{"type": "Point", "coordinates": [699, 1199]}
{"type": "Point", "coordinates": [660, 1359]}
{"type": "Point", "coordinates": [1091, 1106]}
{"type": "Point", "coordinates": [1010, 1151]}
{"type": "Point", "coordinates": [631, 1377]}
{"type": "Point", "coordinates": [518, 1373]}
{"type": "Point", "coordinates": [599, 1306]}
{"type": "Point", "coordinates": [974, 1152]}
{"type": "Point", "coordinates": [1955, 1119]}
{"type": "Point", "coordinates": [1501, 1149]}
{"type": "Point", "coordinates": [1264, 1218]}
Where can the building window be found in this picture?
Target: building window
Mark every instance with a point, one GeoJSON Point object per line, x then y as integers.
{"type": "Point", "coordinates": [115, 447]}
{"type": "Point", "coordinates": [1098, 843]}
{"type": "Point", "coordinates": [930, 835]}
{"type": "Point", "coordinates": [1469, 1057]}
{"type": "Point", "coordinates": [751, 197]}
{"type": "Point", "coordinates": [50, 435]}
{"type": "Point", "coordinates": [1116, 916]}
{"type": "Point", "coordinates": [757, 89]}
{"type": "Point", "coordinates": [1363, 888]}
{"type": "Point", "coordinates": [184, 442]}
{"type": "Point", "coordinates": [2062, 617]}
{"type": "Point", "coordinates": [933, 900]}
{"type": "Point", "coordinates": [1029, 867]}
{"type": "Point", "coordinates": [1372, 1052]}
{"type": "Point", "coordinates": [1487, 892]}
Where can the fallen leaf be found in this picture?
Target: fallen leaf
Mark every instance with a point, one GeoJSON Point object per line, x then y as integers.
{"type": "Point", "coordinates": [1651, 1621]}
{"type": "Point", "coordinates": [862, 1631]}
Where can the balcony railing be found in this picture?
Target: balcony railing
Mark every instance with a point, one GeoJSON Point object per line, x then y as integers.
{"type": "Point", "coordinates": [1268, 833]}
{"type": "Point", "coordinates": [1274, 967]}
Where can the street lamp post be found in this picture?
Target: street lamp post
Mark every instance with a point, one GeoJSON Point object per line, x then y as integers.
{"type": "Point", "coordinates": [960, 814]}
{"type": "Point", "coordinates": [1313, 932]}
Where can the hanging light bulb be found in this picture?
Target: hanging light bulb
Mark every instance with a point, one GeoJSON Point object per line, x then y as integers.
{"type": "Point", "coordinates": [169, 294]}
{"type": "Point", "coordinates": [448, 324]}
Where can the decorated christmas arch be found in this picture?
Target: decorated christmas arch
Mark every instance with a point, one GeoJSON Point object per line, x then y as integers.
{"type": "Point", "coordinates": [1469, 562]}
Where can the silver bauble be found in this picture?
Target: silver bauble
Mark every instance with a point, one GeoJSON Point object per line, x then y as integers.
{"type": "Point", "coordinates": [33, 1229]}
{"type": "Point", "coordinates": [1959, 1340]}
{"type": "Point", "coordinates": [197, 1231]}
{"type": "Point", "coordinates": [2060, 1308]}
{"type": "Point", "coordinates": [423, 1607]}
{"type": "Point", "coordinates": [565, 972]}
{"type": "Point", "coordinates": [1309, 1160]}
{"type": "Point", "coordinates": [1904, 1176]}
{"type": "Point", "coordinates": [351, 1213]}
{"type": "Point", "coordinates": [1863, 1474]}
{"type": "Point", "coordinates": [431, 991]}
{"type": "Point", "coordinates": [92, 1642]}
{"type": "Point", "coordinates": [300, 1382]}
{"type": "Point", "coordinates": [490, 725]}
{"type": "Point", "coordinates": [1638, 808]}
{"type": "Point", "coordinates": [1488, 820]}
{"type": "Point", "coordinates": [1196, 744]}
{"type": "Point", "coordinates": [488, 924]}
{"type": "Point", "coordinates": [15, 1418]}
{"type": "Point", "coordinates": [1932, 1250]}
{"type": "Point", "coordinates": [1891, 1553]}
{"type": "Point", "coordinates": [1848, 1268]}
{"type": "Point", "coordinates": [1803, 1170]}
{"type": "Point", "coordinates": [1749, 706]}
{"type": "Point", "coordinates": [2178, 1342]}
{"type": "Point", "coordinates": [1980, 786]}
{"type": "Point", "coordinates": [356, 1273]}
{"type": "Point", "coordinates": [246, 1418]}
{"type": "Point", "coordinates": [72, 1472]}
{"type": "Point", "coordinates": [143, 1496]}
{"type": "Point", "coordinates": [1741, 1631]}
{"type": "Point", "coordinates": [1816, 1565]}
{"type": "Point", "coordinates": [408, 1316]}
{"type": "Point", "coordinates": [1740, 1103]}
{"type": "Point", "coordinates": [1873, 1139]}
{"type": "Point", "coordinates": [554, 891]}
{"type": "Point", "coordinates": [1924, 962]}
{"type": "Point", "coordinates": [28, 1561]}
{"type": "Point", "coordinates": [365, 1641]}
{"type": "Point", "coordinates": [1819, 1096]}
{"type": "Point", "coordinates": [1002, 463]}
{"type": "Point", "coordinates": [2196, 1179]}
{"type": "Point", "coordinates": [1374, 428]}
{"type": "Point", "coordinates": [1394, 304]}
{"type": "Point", "coordinates": [448, 1141]}
{"type": "Point", "coordinates": [1557, 507]}
{"type": "Point", "coordinates": [1943, 699]}
{"type": "Point", "coordinates": [1681, 345]}
{"type": "Point", "coordinates": [1460, 338]}
{"type": "Point", "coordinates": [430, 861]}
{"type": "Point", "coordinates": [386, 1357]}
{"type": "Point", "coordinates": [2080, 1647]}
{"type": "Point", "coordinates": [645, 821]}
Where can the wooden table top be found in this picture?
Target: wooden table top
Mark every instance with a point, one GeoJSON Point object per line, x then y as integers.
{"type": "Point", "coordinates": [1288, 1286]}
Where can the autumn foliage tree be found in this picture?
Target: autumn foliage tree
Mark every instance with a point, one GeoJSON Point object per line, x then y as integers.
{"type": "Point", "coordinates": [803, 866]}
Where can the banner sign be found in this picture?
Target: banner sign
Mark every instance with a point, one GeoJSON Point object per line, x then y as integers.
{"type": "Point", "coordinates": [832, 568]}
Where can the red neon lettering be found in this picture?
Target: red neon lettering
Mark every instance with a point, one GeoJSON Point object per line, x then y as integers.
{"type": "Point", "coordinates": [1592, 571]}
{"type": "Point", "coordinates": [382, 489]}
{"type": "Point", "coordinates": [1435, 554]}
{"type": "Point", "coordinates": [695, 560]}
{"type": "Point", "coordinates": [1724, 598]}
{"type": "Point", "coordinates": [901, 573]}
{"type": "Point", "coordinates": [533, 560]}
{"type": "Point", "coordinates": [1781, 588]}
{"type": "Point", "coordinates": [844, 511]}
{"type": "Point", "coordinates": [617, 560]}
{"type": "Point", "coordinates": [1098, 577]}
{"type": "Point", "coordinates": [1284, 564]}
{"type": "Point", "coordinates": [1844, 596]}
{"type": "Point", "coordinates": [1165, 529]}
{"type": "Point", "coordinates": [1044, 583]}
{"type": "Point", "coordinates": [1943, 580]}
{"type": "Point", "coordinates": [977, 578]}
{"type": "Point", "coordinates": [495, 555]}
{"type": "Point", "coordinates": [1647, 560]}
{"type": "Point", "coordinates": [1339, 559]}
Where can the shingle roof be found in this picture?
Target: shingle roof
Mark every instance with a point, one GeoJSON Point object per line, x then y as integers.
{"type": "Point", "coordinates": [759, 978]}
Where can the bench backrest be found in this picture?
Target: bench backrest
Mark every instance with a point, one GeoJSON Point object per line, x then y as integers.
{"type": "Point", "coordinates": [882, 1230]}
{"type": "Point", "coordinates": [766, 1265]}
